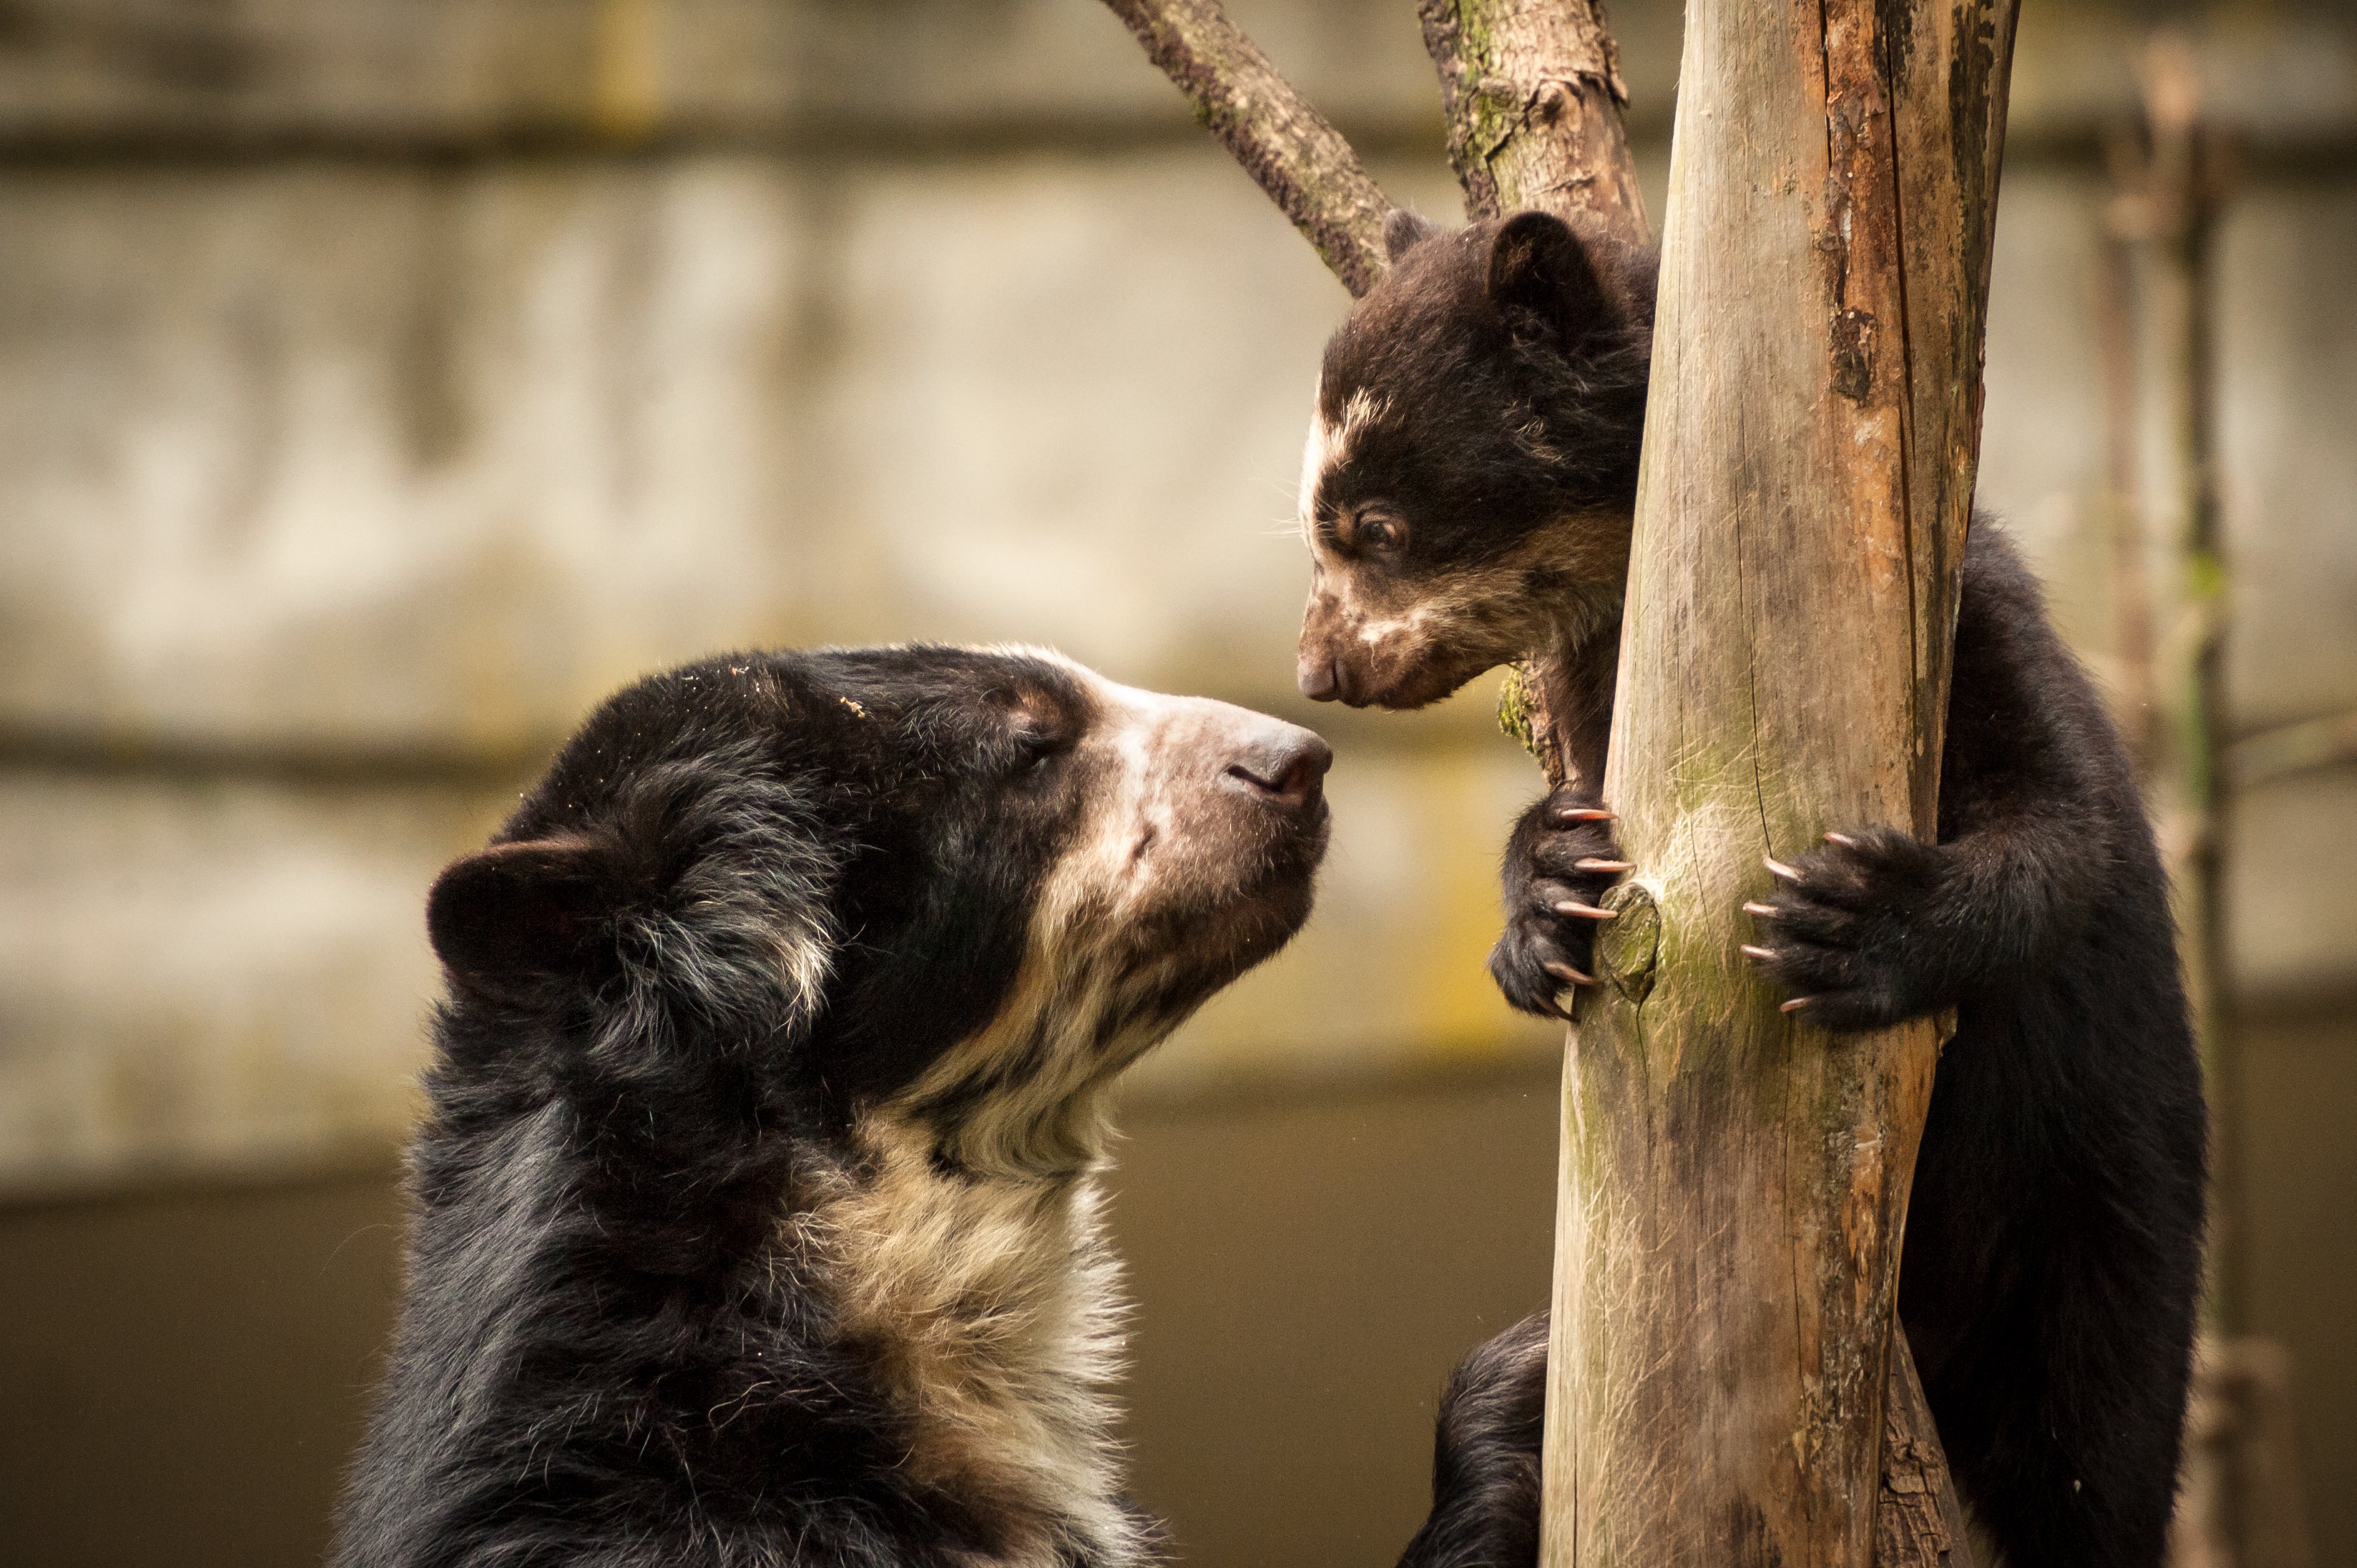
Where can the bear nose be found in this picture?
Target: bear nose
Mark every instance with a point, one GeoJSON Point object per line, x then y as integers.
{"type": "Point", "coordinates": [1285, 763]}
{"type": "Point", "coordinates": [1315, 674]}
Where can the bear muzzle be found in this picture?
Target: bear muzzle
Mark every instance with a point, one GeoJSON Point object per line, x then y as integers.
{"type": "Point", "coordinates": [1284, 764]}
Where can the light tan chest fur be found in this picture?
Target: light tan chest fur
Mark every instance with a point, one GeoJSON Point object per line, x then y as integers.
{"type": "Point", "coordinates": [993, 1307]}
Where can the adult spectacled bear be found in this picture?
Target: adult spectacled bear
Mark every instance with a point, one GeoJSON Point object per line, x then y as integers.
{"type": "Point", "coordinates": [1468, 495]}
{"type": "Point", "coordinates": [757, 1203]}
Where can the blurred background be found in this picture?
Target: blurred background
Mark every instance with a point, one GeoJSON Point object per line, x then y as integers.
{"type": "Point", "coordinates": [383, 381]}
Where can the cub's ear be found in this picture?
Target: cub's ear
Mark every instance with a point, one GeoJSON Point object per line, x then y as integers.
{"type": "Point", "coordinates": [1540, 276]}
{"type": "Point", "coordinates": [515, 913]}
{"type": "Point", "coordinates": [1404, 231]}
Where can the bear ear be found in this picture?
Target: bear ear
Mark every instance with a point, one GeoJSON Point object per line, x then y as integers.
{"type": "Point", "coordinates": [1404, 231]}
{"type": "Point", "coordinates": [515, 913]}
{"type": "Point", "coordinates": [1539, 271]}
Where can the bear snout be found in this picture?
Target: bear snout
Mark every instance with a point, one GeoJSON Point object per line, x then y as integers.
{"type": "Point", "coordinates": [1284, 764]}
{"type": "Point", "coordinates": [1345, 658]}
{"type": "Point", "coordinates": [1315, 674]}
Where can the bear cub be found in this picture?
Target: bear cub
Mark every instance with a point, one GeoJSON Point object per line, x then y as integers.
{"type": "Point", "coordinates": [1468, 497]}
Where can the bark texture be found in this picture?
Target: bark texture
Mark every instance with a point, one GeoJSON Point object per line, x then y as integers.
{"type": "Point", "coordinates": [1533, 93]}
{"type": "Point", "coordinates": [1918, 1520]}
{"type": "Point", "coordinates": [1734, 1183]}
{"type": "Point", "coordinates": [1288, 148]}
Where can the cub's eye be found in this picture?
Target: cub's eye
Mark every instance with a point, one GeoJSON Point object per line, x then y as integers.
{"type": "Point", "coordinates": [1379, 531]}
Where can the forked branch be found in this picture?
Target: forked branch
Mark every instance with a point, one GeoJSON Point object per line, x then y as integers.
{"type": "Point", "coordinates": [1293, 152]}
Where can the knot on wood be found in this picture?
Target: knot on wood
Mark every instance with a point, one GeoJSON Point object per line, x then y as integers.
{"type": "Point", "coordinates": [1628, 948]}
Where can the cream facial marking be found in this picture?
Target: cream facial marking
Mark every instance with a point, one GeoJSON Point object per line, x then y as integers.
{"type": "Point", "coordinates": [1315, 451]}
{"type": "Point", "coordinates": [1328, 446]}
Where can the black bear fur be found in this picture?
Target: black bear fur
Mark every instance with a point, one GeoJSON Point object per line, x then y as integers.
{"type": "Point", "coordinates": [755, 1197]}
{"type": "Point", "coordinates": [1468, 495]}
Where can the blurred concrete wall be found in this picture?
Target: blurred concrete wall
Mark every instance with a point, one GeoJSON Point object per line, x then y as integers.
{"type": "Point", "coordinates": [382, 381]}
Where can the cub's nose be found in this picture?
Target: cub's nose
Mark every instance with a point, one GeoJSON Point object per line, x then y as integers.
{"type": "Point", "coordinates": [1283, 762]}
{"type": "Point", "coordinates": [1315, 674]}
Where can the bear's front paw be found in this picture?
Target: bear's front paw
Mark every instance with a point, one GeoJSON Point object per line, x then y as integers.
{"type": "Point", "coordinates": [1560, 863]}
{"type": "Point", "coordinates": [1845, 931]}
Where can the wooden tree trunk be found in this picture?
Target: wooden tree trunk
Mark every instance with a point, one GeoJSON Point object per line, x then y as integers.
{"type": "Point", "coordinates": [1735, 1185]}
{"type": "Point", "coordinates": [1732, 1196]}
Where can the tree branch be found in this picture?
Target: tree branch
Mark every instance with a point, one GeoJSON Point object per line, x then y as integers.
{"type": "Point", "coordinates": [2262, 758]}
{"type": "Point", "coordinates": [1533, 93]}
{"type": "Point", "coordinates": [1288, 148]}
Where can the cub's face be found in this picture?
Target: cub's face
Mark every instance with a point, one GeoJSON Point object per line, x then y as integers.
{"type": "Point", "coordinates": [1470, 468]}
{"type": "Point", "coordinates": [953, 876]}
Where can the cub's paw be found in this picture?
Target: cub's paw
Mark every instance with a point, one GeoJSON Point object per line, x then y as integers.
{"type": "Point", "coordinates": [1485, 1463]}
{"type": "Point", "coordinates": [1559, 863]}
{"type": "Point", "coordinates": [1852, 930]}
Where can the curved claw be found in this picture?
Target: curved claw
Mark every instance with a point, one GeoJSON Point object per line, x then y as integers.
{"type": "Point", "coordinates": [1586, 911]}
{"type": "Point", "coordinates": [1843, 840]}
{"type": "Point", "coordinates": [1795, 1005]}
{"type": "Point", "coordinates": [1590, 863]}
{"type": "Point", "coordinates": [1778, 869]}
{"type": "Point", "coordinates": [1585, 814]}
{"type": "Point", "coordinates": [1569, 975]}
{"type": "Point", "coordinates": [1760, 911]}
{"type": "Point", "coordinates": [1757, 955]}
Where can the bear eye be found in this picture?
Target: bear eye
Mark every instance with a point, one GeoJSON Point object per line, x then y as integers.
{"type": "Point", "coordinates": [1378, 531]}
{"type": "Point", "coordinates": [1038, 745]}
